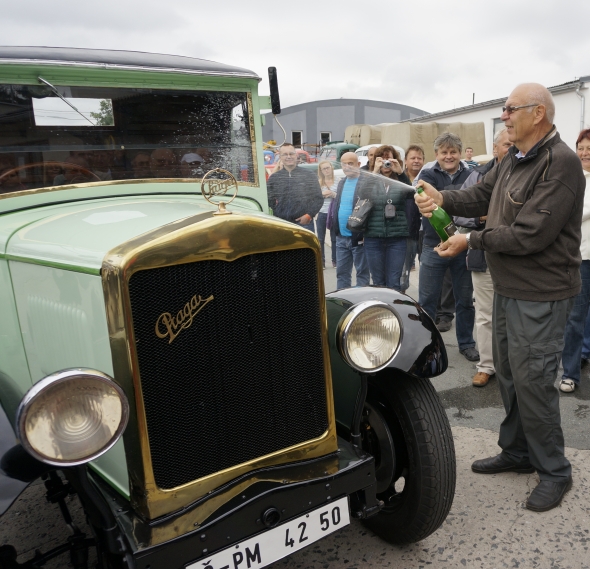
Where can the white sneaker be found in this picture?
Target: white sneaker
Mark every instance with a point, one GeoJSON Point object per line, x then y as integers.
{"type": "Point", "coordinates": [567, 385]}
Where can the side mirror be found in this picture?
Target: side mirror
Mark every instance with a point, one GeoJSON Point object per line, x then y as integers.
{"type": "Point", "coordinates": [275, 100]}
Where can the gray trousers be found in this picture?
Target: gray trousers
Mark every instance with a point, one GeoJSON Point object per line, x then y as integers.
{"type": "Point", "coordinates": [527, 345]}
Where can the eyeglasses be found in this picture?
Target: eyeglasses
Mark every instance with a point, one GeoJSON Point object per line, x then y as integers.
{"type": "Point", "coordinates": [510, 109]}
{"type": "Point", "coordinates": [285, 154]}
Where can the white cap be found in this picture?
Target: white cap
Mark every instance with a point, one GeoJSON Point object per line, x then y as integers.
{"type": "Point", "coordinates": [191, 157]}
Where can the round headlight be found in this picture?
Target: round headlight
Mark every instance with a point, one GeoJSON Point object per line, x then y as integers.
{"type": "Point", "coordinates": [368, 335]}
{"type": "Point", "coordinates": [72, 417]}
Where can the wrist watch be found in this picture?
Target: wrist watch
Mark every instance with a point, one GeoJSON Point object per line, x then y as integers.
{"type": "Point", "coordinates": [468, 237]}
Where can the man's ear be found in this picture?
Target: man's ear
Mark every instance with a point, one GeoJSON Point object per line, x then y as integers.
{"type": "Point", "coordinates": [540, 111]}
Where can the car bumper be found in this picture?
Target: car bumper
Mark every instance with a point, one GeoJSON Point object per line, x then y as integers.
{"type": "Point", "coordinates": [349, 472]}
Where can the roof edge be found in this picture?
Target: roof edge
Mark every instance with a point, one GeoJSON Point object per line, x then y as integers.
{"type": "Point", "coordinates": [569, 86]}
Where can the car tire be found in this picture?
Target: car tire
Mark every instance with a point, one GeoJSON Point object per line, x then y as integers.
{"type": "Point", "coordinates": [407, 430]}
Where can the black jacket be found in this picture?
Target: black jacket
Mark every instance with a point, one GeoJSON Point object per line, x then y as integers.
{"type": "Point", "coordinates": [476, 258]}
{"type": "Point", "coordinates": [356, 237]}
{"type": "Point", "coordinates": [293, 194]}
{"type": "Point", "coordinates": [533, 230]}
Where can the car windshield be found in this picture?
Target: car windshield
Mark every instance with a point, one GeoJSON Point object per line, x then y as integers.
{"type": "Point", "coordinates": [329, 154]}
{"type": "Point", "coordinates": [54, 135]}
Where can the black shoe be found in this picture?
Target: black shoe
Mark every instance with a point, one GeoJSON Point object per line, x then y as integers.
{"type": "Point", "coordinates": [496, 464]}
{"type": "Point", "coordinates": [470, 354]}
{"type": "Point", "coordinates": [443, 325]}
{"type": "Point", "coordinates": [547, 495]}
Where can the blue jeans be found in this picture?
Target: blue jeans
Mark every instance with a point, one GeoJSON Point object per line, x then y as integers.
{"type": "Point", "coordinates": [386, 257]}
{"type": "Point", "coordinates": [432, 273]}
{"type": "Point", "coordinates": [346, 256]}
{"type": "Point", "coordinates": [309, 226]}
{"type": "Point", "coordinates": [320, 225]}
{"type": "Point", "coordinates": [573, 336]}
{"type": "Point", "coordinates": [586, 344]}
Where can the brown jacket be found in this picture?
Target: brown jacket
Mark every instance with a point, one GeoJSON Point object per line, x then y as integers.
{"type": "Point", "coordinates": [533, 231]}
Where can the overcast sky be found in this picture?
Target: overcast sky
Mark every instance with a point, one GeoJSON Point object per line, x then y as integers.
{"type": "Point", "coordinates": [427, 54]}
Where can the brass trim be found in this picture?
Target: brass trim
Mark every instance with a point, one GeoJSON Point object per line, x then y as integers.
{"type": "Point", "coordinates": [216, 187]}
{"type": "Point", "coordinates": [192, 239]}
{"type": "Point", "coordinates": [110, 183]}
{"type": "Point", "coordinates": [253, 138]}
{"type": "Point", "coordinates": [189, 521]}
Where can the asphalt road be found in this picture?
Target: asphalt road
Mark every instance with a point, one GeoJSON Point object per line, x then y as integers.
{"type": "Point", "coordinates": [487, 527]}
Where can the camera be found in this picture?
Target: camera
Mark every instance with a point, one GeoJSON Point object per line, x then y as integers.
{"type": "Point", "coordinates": [386, 163]}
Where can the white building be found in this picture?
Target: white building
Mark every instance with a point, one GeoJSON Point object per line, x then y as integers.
{"type": "Point", "coordinates": [572, 112]}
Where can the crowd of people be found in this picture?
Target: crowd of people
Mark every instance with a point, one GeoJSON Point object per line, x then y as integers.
{"type": "Point", "coordinates": [522, 250]}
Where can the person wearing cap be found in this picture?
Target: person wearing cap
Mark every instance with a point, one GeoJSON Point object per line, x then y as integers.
{"type": "Point", "coordinates": [191, 165]}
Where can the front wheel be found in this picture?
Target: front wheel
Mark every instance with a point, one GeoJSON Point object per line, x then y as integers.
{"type": "Point", "coordinates": [406, 429]}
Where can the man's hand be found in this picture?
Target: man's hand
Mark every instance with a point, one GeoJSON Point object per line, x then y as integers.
{"type": "Point", "coordinates": [452, 246]}
{"type": "Point", "coordinates": [429, 199]}
{"type": "Point", "coordinates": [305, 219]}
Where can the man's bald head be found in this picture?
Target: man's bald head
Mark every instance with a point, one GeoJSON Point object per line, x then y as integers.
{"type": "Point", "coordinates": [528, 115]}
{"type": "Point", "coordinates": [350, 164]}
{"type": "Point", "coordinates": [537, 94]}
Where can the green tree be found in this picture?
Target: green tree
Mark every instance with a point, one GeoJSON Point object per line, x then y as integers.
{"type": "Point", "coordinates": [105, 116]}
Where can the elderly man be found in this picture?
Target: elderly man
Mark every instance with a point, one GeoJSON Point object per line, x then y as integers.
{"type": "Point", "coordinates": [533, 201]}
{"type": "Point", "coordinates": [294, 194]}
{"type": "Point", "coordinates": [447, 174]}
{"type": "Point", "coordinates": [349, 246]}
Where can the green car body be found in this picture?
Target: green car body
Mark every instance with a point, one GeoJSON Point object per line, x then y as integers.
{"type": "Point", "coordinates": [121, 274]}
{"type": "Point", "coordinates": [331, 152]}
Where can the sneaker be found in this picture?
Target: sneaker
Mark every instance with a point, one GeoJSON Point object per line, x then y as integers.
{"type": "Point", "coordinates": [470, 354]}
{"type": "Point", "coordinates": [567, 385]}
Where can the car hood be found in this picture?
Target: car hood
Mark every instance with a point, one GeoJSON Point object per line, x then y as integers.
{"type": "Point", "coordinates": [79, 235]}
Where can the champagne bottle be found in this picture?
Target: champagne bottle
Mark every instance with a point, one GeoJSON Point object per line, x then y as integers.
{"type": "Point", "coordinates": [441, 221]}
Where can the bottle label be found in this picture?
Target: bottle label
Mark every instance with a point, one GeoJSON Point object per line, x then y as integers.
{"type": "Point", "coordinates": [450, 229]}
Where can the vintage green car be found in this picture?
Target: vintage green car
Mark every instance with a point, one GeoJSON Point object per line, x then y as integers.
{"type": "Point", "coordinates": [332, 152]}
{"type": "Point", "coordinates": [171, 357]}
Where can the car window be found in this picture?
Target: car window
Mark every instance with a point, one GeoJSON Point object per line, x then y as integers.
{"type": "Point", "coordinates": [329, 154]}
{"type": "Point", "coordinates": [88, 134]}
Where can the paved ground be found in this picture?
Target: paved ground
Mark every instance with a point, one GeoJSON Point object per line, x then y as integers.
{"type": "Point", "coordinates": [488, 526]}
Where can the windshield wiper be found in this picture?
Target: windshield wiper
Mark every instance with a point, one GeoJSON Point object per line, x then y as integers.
{"type": "Point", "coordinates": [64, 99]}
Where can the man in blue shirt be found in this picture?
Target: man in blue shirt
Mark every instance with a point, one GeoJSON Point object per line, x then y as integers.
{"type": "Point", "coordinates": [349, 246]}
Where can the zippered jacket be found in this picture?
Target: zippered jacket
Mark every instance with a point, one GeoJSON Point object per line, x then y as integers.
{"type": "Point", "coordinates": [534, 214]}
{"type": "Point", "coordinates": [380, 193]}
{"type": "Point", "coordinates": [293, 194]}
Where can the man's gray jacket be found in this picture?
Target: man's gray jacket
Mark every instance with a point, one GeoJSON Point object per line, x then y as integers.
{"type": "Point", "coordinates": [534, 215]}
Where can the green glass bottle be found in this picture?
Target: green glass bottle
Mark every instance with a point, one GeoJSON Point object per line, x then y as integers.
{"type": "Point", "coordinates": [441, 221]}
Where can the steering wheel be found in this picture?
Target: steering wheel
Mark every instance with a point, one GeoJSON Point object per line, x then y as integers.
{"type": "Point", "coordinates": [64, 165]}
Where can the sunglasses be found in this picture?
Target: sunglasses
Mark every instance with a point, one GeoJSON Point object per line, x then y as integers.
{"type": "Point", "coordinates": [510, 109]}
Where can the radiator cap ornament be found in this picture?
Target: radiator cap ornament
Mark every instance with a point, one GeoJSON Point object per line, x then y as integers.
{"type": "Point", "coordinates": [216, 184]}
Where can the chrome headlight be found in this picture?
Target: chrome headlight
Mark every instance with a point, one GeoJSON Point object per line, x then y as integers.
{"type": "Point", "coordinates": [369, 335]}
{"type": "Point", "coordinates": [72, 417]}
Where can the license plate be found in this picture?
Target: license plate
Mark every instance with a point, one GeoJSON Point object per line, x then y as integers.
{"type": "Point", "coordinates": [276, 543]}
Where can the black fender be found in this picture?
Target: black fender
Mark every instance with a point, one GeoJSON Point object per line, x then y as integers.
{"type": "Point", "coordinates": [422, 352]}
{"type": "Point", "coordinates": [17, 467]}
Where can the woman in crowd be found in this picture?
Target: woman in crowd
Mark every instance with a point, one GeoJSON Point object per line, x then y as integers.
{"type": "Point", "coordinates": [328, 185]}
{"type": "Point", "coordinates": [574, 330]}
{"type": "Point", "coordinates": [393, 218]}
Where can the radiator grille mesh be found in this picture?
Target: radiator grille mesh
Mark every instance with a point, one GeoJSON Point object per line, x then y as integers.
{"type": "Point", "coordinates": [246, 378]}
